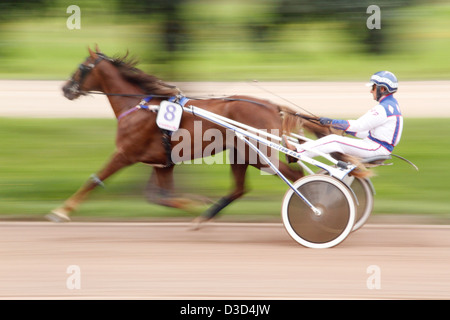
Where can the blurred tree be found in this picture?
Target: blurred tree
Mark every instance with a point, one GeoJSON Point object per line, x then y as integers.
{"type": "Point", "coordinates": [353, 13]}
{"type": "Point", "coordinates": [170, 15]}
{"type": "Point", "coordinates": [14, 10]}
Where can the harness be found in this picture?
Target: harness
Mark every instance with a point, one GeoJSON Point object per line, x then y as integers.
{"type": "Point", "coordinates": [165, 134]}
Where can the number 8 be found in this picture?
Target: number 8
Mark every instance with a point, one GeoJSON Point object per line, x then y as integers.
{"type": "Point", "coordinates": [170, 113]}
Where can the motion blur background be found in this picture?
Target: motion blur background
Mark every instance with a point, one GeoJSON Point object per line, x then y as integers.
{"type": "Point", "coordinates": [42, 161]}
{"type": "Point", "coordinates": [230, 40]}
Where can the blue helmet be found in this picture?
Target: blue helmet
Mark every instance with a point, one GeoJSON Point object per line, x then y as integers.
{"type": "Point", "coordinates": [384, 79]}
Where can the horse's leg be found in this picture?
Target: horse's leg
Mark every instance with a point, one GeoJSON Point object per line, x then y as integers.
{"type": "Point", "coordinates": [289, 173]}
{"type": "Point", "coordinates": [238, 171]}
{"type": "Point", "coordinates": [160, 190]}
{"type": "Point", "coordinates": [157, 187]}
{"type": "Point", "coordinates": [61, 214]}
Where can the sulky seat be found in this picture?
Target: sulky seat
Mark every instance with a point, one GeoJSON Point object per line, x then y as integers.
{"type": "Point", "coordinates": [376, 161]}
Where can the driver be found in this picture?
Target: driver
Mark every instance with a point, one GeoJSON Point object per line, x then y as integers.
{"type": "Point", "coordinates": [379, 130]}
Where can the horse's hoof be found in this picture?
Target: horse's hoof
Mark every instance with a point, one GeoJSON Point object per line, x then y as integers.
{"type": "Point", "coordinates": [57, 216]}
{"type": "Point", "coordinates": [198, 222]}
{"type": "Point", "coordinates": [192, 207]}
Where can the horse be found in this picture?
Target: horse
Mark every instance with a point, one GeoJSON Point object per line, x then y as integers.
{"type": "Point", "coordinates": [140, 140]}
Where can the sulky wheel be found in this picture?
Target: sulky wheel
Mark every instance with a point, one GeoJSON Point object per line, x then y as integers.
{"type": "Point", "coordinates": [337, 212]}
{"type": "Point", "coordinates": [364, 193]}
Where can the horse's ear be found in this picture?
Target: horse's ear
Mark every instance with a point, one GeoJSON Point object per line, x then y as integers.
{"type": "Point", "coordinates": [92, 53]}
{"type": "Point", "coordinates": [97, 49]}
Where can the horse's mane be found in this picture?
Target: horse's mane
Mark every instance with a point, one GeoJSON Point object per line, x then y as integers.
{"type": "Point", "coordinates": [148, 83]}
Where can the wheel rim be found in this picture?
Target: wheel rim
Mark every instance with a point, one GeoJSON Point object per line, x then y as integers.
{"type": "Point", "coordinates": [364, 195]}
{"type": "Point", "coordinates": [335, 203]}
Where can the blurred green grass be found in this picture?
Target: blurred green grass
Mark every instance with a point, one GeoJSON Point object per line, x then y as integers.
{"type": "Point", "coordinates": [43, 161]}
{"type": "Point", "coordinates": [219, 45]}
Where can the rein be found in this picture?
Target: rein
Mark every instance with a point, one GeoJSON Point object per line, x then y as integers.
{"type": "Point", "coordinates": [167, 96]}
{"type": "Point", "coordinates": [148, 97]}
{"type": "Point", "coordinates": [311, 119]}
{"type": "Point", "coordinates": [125, 94]}
{"type": "Point", "coordinates": [308, 118]}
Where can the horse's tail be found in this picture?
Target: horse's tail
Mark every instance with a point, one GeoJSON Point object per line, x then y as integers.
{"type": "Point", "coordinates": [360, 171]}
{"type": "Point", "coordinates": [290, 122]}
{"type": "Point", "coordinates": [295, 122]}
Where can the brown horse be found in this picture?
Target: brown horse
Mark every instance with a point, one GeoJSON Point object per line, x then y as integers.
{"type": "Point", "coordinates": [139, 139]}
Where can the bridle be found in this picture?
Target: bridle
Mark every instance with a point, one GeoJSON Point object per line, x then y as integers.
{"type": "Point", "coordinates": [84, 69]}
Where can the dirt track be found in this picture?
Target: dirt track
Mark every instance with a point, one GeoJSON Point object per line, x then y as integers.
{"type": "Point", "coordinates": [346, 99]}
{"type": "Point", "coordinates": [220, 261]}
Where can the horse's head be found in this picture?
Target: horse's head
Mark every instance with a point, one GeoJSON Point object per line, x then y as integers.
{"type": "Point", "coordinates": [83, 79]}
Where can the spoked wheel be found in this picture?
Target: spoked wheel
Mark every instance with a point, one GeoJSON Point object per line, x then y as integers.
{"type": "Point", "coordinates": [337, 212]}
